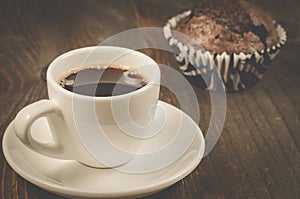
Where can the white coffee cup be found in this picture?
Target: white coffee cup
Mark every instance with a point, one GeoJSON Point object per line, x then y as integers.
{"type": "Point", "coordinates": [92, 130]}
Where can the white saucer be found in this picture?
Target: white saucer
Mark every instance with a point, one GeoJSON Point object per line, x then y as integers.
{"type": "Point", "coordinates": [72, 179]}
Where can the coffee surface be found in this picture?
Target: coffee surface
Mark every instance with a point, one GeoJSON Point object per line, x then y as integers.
{"type": "Point", "coordinates": [103, 82]}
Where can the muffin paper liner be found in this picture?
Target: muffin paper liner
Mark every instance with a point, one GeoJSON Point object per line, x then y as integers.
{"type": "Point", "coordinates": [238, 71]}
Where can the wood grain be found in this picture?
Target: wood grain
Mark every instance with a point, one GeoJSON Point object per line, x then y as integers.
{"type": "Point", "coordinates": [257, 155]}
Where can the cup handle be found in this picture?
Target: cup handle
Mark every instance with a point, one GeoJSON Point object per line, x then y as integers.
{"type": "Point", "coordinates": [44, 108]}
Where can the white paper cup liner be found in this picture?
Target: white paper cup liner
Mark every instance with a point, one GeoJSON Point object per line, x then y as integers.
{"type": "Point", "coordinates": [238, 71]}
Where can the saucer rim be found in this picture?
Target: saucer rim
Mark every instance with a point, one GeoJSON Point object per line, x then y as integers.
{"type": "Point", "coordinates": [133, 192]}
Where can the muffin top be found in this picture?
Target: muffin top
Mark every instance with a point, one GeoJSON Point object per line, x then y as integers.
{"type": "Point", "coordinates": [230, 26]}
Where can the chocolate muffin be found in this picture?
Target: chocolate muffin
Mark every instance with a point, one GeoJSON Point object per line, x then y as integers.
{"type": "Point", "coordinates": [238, 37]}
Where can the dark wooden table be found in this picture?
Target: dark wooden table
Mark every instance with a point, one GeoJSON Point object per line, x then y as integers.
{"type": "Point", "coordinates": [257, 155]}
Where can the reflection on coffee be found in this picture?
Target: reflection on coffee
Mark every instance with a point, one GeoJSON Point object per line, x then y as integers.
{"type": "Point", "coordinates": [103, 81]}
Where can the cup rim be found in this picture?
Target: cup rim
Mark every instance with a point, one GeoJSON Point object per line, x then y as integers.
{"type": "Point", "coordinates": [54, 83]}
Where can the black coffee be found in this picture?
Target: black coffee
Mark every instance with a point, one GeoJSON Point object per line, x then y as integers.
{"type": "Point", "coordinates": [103, 82]}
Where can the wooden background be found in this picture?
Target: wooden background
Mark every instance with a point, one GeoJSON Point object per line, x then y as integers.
{"type": "Point", "coordinates": [257, 155]}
